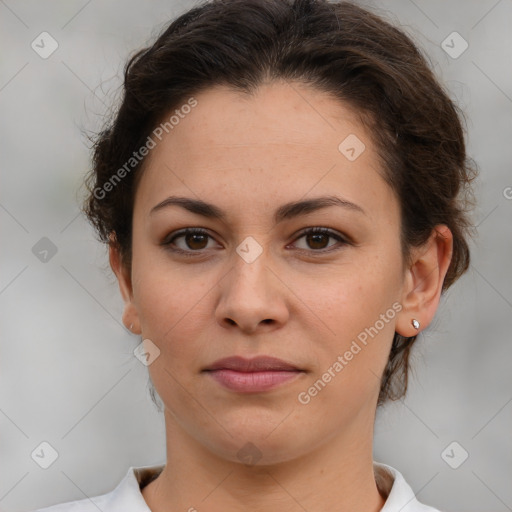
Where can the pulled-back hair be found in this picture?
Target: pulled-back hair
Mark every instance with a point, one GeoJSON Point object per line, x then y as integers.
{"type": "Point", "coordinates": [338, 48]}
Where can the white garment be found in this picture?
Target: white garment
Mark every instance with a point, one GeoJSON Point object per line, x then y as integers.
{"type": "Point", "coordinates": [127, 496]}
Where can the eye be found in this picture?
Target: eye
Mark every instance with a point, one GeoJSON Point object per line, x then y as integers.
{"type": "Point", "coordinates": [317, 239]}
{"type": "Point", "coordinates": [194, 240]}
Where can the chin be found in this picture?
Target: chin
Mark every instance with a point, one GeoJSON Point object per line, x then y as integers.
{"type": "Point", "coordinates": [252, 441]}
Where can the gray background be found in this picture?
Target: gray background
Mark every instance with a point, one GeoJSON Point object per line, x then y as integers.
{"type": "Point", "coordinates": [69, 376]}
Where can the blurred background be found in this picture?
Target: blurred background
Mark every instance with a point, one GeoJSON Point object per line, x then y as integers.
{"type": "Point", "coordinates": [68, 374]}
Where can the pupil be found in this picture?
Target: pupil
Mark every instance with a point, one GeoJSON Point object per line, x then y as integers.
{"type": "Point", "coordinates": [317, 237]}
{"type": "Point", "coordinates": [194, 237]}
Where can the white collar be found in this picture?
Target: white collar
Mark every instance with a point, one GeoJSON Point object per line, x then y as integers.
{"type": "Point", "coordinates": [400, 496]}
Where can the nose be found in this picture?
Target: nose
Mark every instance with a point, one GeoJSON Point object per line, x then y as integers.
{"type": "Point", "coordinates": [252, 297]}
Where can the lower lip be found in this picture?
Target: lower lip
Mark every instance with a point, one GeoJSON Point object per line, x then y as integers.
{"type": "Point", "coordinates": [252, 382]}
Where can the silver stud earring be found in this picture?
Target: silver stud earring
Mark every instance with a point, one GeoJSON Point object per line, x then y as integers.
{"type": "Point", "coordinates": [131, 326]}
{"type": "Point", "coordinates": [415, 323]}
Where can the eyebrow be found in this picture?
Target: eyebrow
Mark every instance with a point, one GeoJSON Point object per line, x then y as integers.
{"type": "Point", "coordinates": [285, 212]}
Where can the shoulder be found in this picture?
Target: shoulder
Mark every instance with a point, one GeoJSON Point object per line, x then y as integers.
{"type": "Point", "coordinates": [400, 496]}
{"type": "Point", "coordinates": [126, 497]}
{"type": "Point", "coordinates": [85, 505]}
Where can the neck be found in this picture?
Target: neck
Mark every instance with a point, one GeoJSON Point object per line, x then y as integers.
{"type": "Point", "coordinates": [338, 475]}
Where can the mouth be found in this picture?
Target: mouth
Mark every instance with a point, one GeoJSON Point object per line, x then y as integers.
{"type": "Point", "coordinates": [255, 375]}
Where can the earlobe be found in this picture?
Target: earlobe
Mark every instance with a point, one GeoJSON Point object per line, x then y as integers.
{"type": "Point", "coordinates": [423, 282]}
{"type": "Point", "coordinates": [130, 315]}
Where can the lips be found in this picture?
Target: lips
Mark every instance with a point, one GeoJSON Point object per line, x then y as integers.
{"type": "Point", "coordinates": [256, 364]}
{"type": "Point", "coordinates": [257, 375]}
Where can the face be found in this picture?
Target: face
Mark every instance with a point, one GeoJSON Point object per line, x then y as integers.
{"type": "Point", "coordinates": [255, 280]}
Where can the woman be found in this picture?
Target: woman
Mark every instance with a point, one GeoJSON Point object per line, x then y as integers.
{"type": "Point", "coordinates": [283, 195]}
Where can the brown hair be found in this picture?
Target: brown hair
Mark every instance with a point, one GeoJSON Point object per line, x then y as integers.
{"type": "Point", "coordinates": [338, 48]}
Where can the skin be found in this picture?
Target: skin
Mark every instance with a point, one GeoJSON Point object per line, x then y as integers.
{"type": "Point", "coordinates": [248, 155]}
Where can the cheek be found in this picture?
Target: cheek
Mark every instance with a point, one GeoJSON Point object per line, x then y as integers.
{"type": "Point", "coordinates": [167, 299]}
{"type": "Point", "coordinates": [169, 309]}
{"type": "Point", "coordinates": [348, 298]}
{"type": "Point", "coordinates": [354, 309]}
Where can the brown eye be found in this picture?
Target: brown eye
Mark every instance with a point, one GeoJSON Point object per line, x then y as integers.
{"type": "Point", "coordinates": [317, 240]}
{"type": "Point", "coordinates": [196, 241]}
{"type": "Point", "coordinates": [192, 240]}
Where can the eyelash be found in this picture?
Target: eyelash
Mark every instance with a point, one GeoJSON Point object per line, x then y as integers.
{"type": "Point", "coordinates": [198, 231]}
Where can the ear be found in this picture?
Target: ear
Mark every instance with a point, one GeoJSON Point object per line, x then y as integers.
{"type": "Point", "coordinates": [423, 281]}
{"type": "Point", "coordinates": [130, 315]}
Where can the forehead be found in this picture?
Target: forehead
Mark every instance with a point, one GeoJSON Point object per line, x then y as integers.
{"type": "Point", "coordinates": [276, 113]}
{"type": "Point", "coordinates": [283, 140]}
